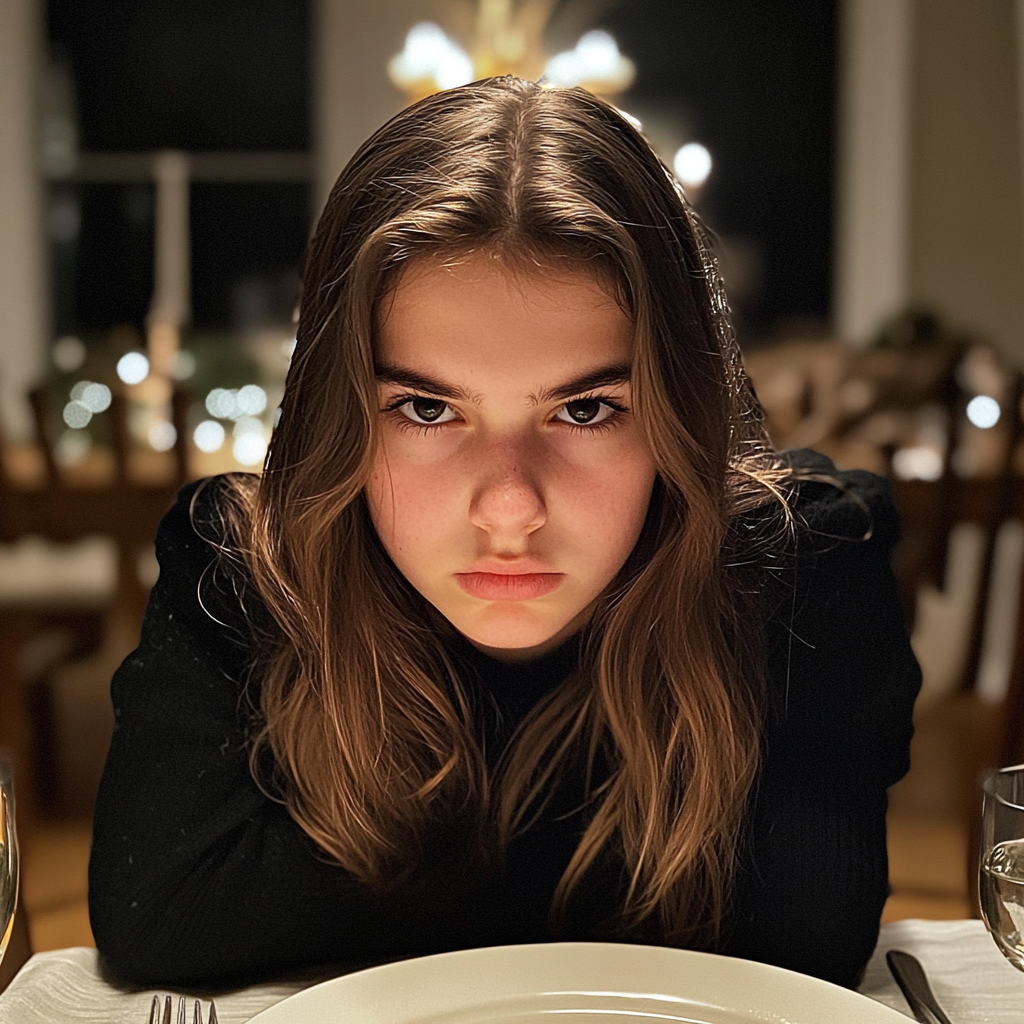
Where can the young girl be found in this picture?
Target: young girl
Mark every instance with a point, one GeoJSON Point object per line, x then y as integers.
{"type": "Point", "coordinates": [525, 632]}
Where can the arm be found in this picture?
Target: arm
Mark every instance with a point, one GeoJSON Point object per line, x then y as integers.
{"type": "Point", "coordinates": [195, 874]}
{"type": "Point", "coordinates": [843, 681]}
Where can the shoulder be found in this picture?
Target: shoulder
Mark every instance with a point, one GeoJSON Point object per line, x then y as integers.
{"type": "Point", "coordinates": [842, 674]}
{"type": "Point", "coordinates": [202, 572]}
{"type": "Point", "coordinates": [832, 506]}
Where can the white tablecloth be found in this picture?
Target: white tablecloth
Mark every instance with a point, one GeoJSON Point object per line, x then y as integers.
{"type": "Point", "coordinates": [972, 980]}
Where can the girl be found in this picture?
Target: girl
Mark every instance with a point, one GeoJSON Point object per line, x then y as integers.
{"type": "Point", "coordinates": [525, 632]}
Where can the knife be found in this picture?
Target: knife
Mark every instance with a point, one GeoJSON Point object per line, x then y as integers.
{"type": "Point", "coordinates": [913, 983]}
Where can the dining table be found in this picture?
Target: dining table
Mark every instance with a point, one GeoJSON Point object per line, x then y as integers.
{"type": "Point", "coordinates": [973, 982]}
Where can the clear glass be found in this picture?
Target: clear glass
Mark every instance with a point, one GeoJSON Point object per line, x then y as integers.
{"type": "Point", "coordinates": [8, 856]}
{"type": "Point", "coordinates": [1001, 875]}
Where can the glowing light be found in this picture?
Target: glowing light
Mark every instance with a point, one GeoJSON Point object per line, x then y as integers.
{"type": "Point", "coordinates": [429, 55]}
{"type": "Point", "coordinates": [692, 164]}
{"type": "Point", "coordinates": [247, 425]}
{"type": "Point", "coordinates": [249, 449]}
{"type": "Point", "coordinates": [162, 435]}
{"type": "Point", "coordinates": [184, 365]}
{"type": "Point", "coordinates": [594, 61]}
{"type": "Point", "coordinates": [251, 399]}
{"type": "Point", "coordinates": [983, 411]}
{"type": "Point", "coordinates": [77, 414]}
{"type": "Point", "coordinates": [95, 397]}
{"type": "Point", "coordinates": [288, 348]}
{"type": "Point", "coordinates": [68, 353]}
{"type": "Point", "coordinates": [133, 368]}
{"type": "Point", "coordinates": [209, 436]}
{"type": "Point", "coordinates": [220, 402]}
{"type": "Point", "coordinates": [72, 447]}
{"type": "Point", "coordinates": [919, 463]}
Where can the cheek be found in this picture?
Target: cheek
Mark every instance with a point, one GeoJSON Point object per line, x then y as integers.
{"type": "Point", "coordinates": [606, 508]}
{"type": "Point", "coordinates": [409, 504]}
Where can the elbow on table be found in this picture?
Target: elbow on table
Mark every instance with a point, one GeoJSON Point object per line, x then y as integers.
{"type": "Point", "coordinates": [135, 950]}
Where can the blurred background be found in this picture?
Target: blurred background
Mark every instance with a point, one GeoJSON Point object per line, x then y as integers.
{"type": "Point", "coordinates": [860, 163]}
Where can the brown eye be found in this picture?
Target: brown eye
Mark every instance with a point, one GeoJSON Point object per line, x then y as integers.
{"type": "Point", "coordinates": [426, 410]}
{"type": "Point", "coordinates": [584, 412]}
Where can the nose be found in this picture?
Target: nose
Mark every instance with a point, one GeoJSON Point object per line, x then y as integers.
{"type": "Point", "coordinates": [507, 501]}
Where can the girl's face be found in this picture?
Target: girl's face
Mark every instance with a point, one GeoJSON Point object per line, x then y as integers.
{"type": "Point", "coordinates": [511, 482]}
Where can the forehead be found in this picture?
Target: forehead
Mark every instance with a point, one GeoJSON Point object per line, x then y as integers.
{"type": "Point", "coordinates": [479, 313]}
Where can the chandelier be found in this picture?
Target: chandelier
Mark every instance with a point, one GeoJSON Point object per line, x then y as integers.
{"type": "Point", "coordinates": [504, 38]}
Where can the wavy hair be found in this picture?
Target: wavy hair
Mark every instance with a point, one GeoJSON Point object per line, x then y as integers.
{"type": "Point", "coordinates": [363, 718]}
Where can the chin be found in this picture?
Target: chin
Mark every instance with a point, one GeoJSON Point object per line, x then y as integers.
{"type": "Point", "coordinates": [514, 633]}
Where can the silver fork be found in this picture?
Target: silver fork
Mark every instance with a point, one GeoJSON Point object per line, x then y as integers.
{"type": "Point", "coordinates": [156, 1017]}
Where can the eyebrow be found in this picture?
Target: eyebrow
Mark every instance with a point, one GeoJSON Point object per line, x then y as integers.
{"type": "Point", "coordinates": [603, 376]}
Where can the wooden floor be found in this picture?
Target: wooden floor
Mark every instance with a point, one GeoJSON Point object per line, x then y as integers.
{"type": "Point", "coordinates": [928, 836]}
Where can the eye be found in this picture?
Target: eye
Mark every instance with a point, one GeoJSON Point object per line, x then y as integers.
{"type": "Point", "coordinates": [586, 412]}
{"type": "Point", "coordinates": [426, 411]}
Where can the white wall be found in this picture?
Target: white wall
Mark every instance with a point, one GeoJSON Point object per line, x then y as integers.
{"type": "Point", "coordinates": [353, 40]}
{"type": "Point", "coordinates": [872, 216]}
{"type": "Point", "coordinates": [24, 296]}
{"type": "Point", "coordinates": [930, 197]}
{"type": "Point", "coordinates": [966, 239]}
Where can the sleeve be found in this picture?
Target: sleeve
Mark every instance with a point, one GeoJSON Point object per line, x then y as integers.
{"type": "Point", "coordinates": [842, 680]}
{"type": "Point", "coordinates": [195, 874]}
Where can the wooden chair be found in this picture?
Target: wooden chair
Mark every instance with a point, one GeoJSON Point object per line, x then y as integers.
{"type": "Point", "coordinates": [121, 507]}
{"type": "Point", "coordinates": [984, 721]}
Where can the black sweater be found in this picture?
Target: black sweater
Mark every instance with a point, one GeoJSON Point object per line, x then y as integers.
{"type": "Point", "coordinates": [197, 877]}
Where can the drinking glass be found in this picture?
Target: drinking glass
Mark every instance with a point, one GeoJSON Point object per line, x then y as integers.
{"type": "Point", "coordinates": [8, 856]}
{"type": "Point", "coordinates": [1001, 877]}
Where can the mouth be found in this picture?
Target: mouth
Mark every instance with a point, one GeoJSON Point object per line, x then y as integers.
{"type": "Point", "coordinates": [495, 586]}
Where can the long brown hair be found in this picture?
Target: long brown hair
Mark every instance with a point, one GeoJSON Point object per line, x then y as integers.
{"type": "Point", "coordinates": [369, 732]}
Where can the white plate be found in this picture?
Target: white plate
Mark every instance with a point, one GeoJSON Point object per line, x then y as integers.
{"type": "Point", "coordinates": [576, 983]}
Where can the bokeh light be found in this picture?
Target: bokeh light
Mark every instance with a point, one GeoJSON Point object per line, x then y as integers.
{"type": "Point", "coordinates": [917, 463]}
{"type": "Point", "coordinates": [68, 353]}
{"type": "Point", "coordinates": [209, 436]}
{"type": "Point", "coordinates": [249, 449]}
{"type": "Point", "coordinates": [133, 367]}
{"type": "Point", "coordinates": [72, 447]}
{"type": "Point", "coordinates": [220, 402]}
{"type": "Point", "coordinates": [692, 165]}
{"type": "Point", "coordinates": [983, 411]}
{"type": "Point", "coordinates": [251, 399]}
{"type": "Point", "coordinates": [95, 397]}
{"type": "Point", "coordinates": [76, 414]}
{"type": "Point", "coordinates": [162, 435]}
{"type": "Point", "coordinates": [595, 60]}
{"type": "Point", "coordinates": [184, 365]}
{"type": "Point", "coordinates": [430, 55]}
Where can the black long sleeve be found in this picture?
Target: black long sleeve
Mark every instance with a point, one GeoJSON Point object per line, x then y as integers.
{"type": "Point", "coordinates": [197, 876]}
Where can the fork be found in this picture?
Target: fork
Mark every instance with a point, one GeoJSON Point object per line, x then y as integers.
{"type": "Point", "coordinates": [155, 1017]}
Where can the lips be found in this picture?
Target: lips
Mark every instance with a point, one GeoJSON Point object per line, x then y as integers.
{"type": "Point", "coordinates": [508, 586]}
